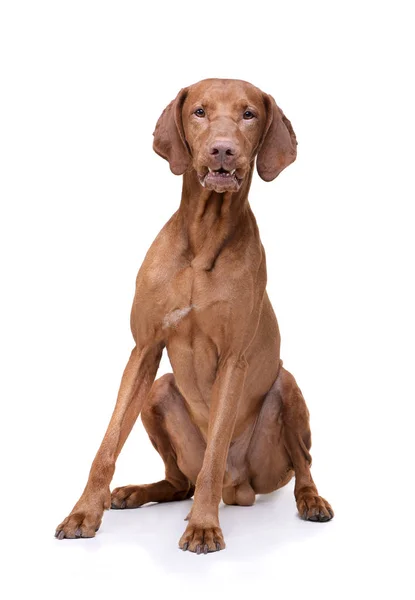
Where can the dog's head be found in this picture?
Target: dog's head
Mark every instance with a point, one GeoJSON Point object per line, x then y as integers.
{"type": "Point", "coordinates": [218, 127]}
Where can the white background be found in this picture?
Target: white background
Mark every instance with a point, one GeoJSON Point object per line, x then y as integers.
{"type": "Point", "coordinates": [83, 196]}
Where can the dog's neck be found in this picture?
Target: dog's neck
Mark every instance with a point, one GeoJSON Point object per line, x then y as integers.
{"type": "Point", "coordinates": [210, 219]}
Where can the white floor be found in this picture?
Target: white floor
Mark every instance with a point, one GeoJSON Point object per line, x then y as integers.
{"type": "Point", "coordinates": [270, 553]}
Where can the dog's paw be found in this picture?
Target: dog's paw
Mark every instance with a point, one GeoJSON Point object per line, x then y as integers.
{"type": "Point", "coordinates": [79, 524]}
{"type": "Point", "coordinates": [86, 516]}
{"type": "Point", "coordinates": [128, 496]}
{"type": "Point", "coordinates": [312, 507]}
{"type": "Point", "coordinates": [202, 540]}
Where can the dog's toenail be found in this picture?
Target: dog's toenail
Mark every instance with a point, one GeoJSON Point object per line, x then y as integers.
{"type": "Point", "coordinates": [185, 546]}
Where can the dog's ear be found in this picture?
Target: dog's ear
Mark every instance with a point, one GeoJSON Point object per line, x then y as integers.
{"type": "Point", "coordinates": [169, 141]}
{"type": "Point", "coordinates": [278, 148]}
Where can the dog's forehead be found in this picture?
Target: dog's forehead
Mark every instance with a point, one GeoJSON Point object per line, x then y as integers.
{"type": "Point", "coordinates": [224, 91]}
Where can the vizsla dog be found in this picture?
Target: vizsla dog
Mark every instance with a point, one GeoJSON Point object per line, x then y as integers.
{"type": "Point", "coordinates": [230, 421]}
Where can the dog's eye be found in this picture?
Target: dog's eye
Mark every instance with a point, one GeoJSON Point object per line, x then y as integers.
{"type": "Point", "coordinates": [199, 112]}
{"type": "Point", "coordinates": [248, 115]}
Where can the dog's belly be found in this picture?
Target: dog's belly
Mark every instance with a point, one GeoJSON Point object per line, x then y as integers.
{"type": "Point", "coordinates": [256, 453]}
{"type": "Point", "coordinates": [194, 360]}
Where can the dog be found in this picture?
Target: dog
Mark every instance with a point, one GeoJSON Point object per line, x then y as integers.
{"type": "Point", "coordinates": [230, 422]}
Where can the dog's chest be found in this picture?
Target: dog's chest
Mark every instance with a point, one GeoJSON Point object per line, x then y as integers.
{"type": "Point", "coordinates": [197, 298]}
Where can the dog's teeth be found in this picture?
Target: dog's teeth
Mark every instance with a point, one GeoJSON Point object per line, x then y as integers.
{"type": "Point", "coordinates": [210, 170]}
{"type": "Point", "coordinates": [232, 172]}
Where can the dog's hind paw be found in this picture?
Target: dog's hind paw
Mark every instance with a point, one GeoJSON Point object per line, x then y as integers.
{"type": "Point", "coordinates": [313, 507]}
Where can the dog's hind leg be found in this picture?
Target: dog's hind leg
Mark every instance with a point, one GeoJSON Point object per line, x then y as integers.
{"type": "Point", "coordinates": [297, 440]}
{"type": "Point", "coordinates": [178, 442]}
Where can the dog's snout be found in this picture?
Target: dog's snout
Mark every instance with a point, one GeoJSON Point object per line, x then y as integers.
{"type": "Point", "coordinates": [222, 149]}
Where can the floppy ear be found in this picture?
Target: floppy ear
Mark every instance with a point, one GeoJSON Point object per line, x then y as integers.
{"type": "Point", "coordinates": [279, 144]}
{"type": "Point", "coordinates": [169, 141]}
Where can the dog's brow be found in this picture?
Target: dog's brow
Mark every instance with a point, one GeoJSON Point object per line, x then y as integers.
{"type": "Point", "coordinates": [202, 101]}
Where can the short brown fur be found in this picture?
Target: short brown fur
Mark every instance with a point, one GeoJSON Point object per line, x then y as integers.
{"type": "Point", "coordinates": [230, 422]}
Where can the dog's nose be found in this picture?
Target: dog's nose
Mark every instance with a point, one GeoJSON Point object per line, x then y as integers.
{"type": "Point", "coordinates": [222, 149]}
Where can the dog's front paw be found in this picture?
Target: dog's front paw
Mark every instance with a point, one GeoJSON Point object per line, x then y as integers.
{"type": "Point", "coordinates": [202, 539]}
{"type": "Point", "coordinates": [79, 525]}
{"type": "Point", "coordinates": [85, 518]}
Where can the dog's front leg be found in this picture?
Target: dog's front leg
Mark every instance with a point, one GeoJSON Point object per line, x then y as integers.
{"type": "Point", "coordinates": [139, 374]}
{"type": "Point", "coordinates": [203, 533]}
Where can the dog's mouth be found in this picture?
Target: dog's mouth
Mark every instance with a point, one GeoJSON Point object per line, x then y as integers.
{"type": "Point", "coordinates": [220, 180]}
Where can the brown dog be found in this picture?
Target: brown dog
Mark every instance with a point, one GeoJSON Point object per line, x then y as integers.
{"type": "Point", "coordinates": [230, 422]}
